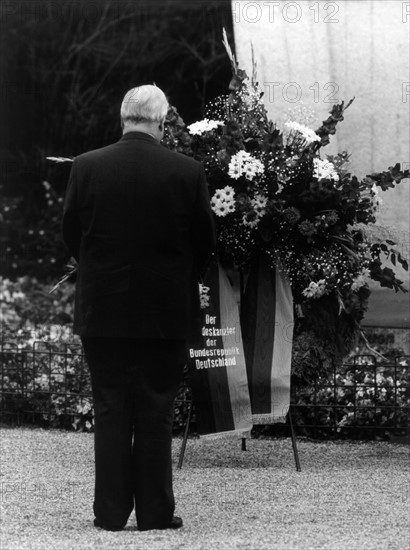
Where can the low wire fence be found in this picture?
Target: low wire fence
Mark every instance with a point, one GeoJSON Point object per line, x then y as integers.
{"type": "Point", "coordinates": [45, 385]}
{"type": "Point", "coordinates": [49, 385]}
{"type": "Point", "coordinates": [359, 397]}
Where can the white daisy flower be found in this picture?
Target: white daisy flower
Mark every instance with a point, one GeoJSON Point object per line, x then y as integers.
{"type": "Point", "coordinates": [223, 201]}
{"type": "Point", "coordinates": [235, 170]}
{"type": "Point", "coordinates": [259, 208]}
{"type": "Point", "coordinates": [250, 223]}
{"type": "Point", "coordinates": [244, 163]}
{"type": "Point", "coordinates": [259, 204]}
{"type": "Point", "coordinates": [228, 192]}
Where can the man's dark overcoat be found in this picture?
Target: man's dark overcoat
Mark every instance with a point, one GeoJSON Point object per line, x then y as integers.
{"type": "Point", "coordinates": [137, 218]}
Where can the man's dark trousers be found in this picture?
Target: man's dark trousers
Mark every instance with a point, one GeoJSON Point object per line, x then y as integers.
{"type": "Point", "coordinates": [132, 437]}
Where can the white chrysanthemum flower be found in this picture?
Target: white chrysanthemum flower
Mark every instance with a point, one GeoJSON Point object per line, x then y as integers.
{"type": "Point", "coordinates": [244, 163]}
{"type": "Point", "coordinates": [223, 201]}
{"type": "Point", "coordinates": [249, 171]}
{"type": "Point", "coordinates": [315, 290]}
{"type": "Point", "coordinates": [235, 169]}
{"type": "Point", "coordinates": [218, 207]}
{"type": "Point", "coordinates": [250, 223]}
{"type": "Point", "coordinates": [307, 133]}
{"type": "Point", "coordinates": [243, 155]}
{"type": "Point", "coordinates": [324, 170]}
{"type": "Point", "coordinates": [202, 126]}
{"type": "Point", "coordinates": [259, 204]}
{"type": "Point", "coordinates": [228, 192]}
{"type": "Point", "coordinates": [259, 208]}
{"type": "Point", "coordinates": [253, 168]}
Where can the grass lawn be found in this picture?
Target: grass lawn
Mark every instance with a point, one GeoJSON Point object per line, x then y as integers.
{"type": "Point", "coordinates": [349, 495]}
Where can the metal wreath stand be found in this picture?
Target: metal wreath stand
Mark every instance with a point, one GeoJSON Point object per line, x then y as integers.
{"type": "Point", "coordinates": [243, 445]}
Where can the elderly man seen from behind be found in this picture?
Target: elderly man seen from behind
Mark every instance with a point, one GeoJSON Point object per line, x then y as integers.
{"type": "Point", "coordinates": [138, 220]}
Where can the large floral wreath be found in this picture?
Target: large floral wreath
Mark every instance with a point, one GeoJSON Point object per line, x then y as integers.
{"type": "Point", "coordinates": [272, 192]}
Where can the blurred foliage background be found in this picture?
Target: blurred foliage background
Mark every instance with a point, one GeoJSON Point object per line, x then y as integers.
{"type": "Point", "coordinates": [65, 67]}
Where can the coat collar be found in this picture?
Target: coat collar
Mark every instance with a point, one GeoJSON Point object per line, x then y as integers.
{"type": "Point", "coordinates": [139, 135]}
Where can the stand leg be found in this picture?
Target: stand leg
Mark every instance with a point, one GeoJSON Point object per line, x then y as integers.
{"type": "Point", "coordinates": [295, 449]}
{"type": "Point", "coordinates": [185, 438]}
{"type": "Point", "coordinates": [244, 444]}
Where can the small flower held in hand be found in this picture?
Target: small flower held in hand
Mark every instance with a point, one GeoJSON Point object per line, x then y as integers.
{"type": "Point", "coordinates": [204, 295]}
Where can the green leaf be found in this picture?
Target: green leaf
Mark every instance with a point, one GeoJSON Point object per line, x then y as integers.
{"type": "Point", "coordinates": [387, 179]}
{"type": "Point", "coordinates": [403, 262]}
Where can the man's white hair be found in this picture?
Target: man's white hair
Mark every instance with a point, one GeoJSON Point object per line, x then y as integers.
{"type": "Point", "coordinates": [146, 103]}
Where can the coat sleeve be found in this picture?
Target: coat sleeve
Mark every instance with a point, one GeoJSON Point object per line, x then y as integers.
{"type": "Point", "coordinates": [204, 233]}
{"type": "Point", "coordinates": [71, 226]}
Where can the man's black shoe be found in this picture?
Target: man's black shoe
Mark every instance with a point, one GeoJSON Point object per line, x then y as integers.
{"type": "Point", "coordinates": [176, 523]}
{"type": "Point", "coordinates": [108, 527]}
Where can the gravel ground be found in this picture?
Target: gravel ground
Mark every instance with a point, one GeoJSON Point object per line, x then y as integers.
{"type": "Point", "coordinates": [349, 495]}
